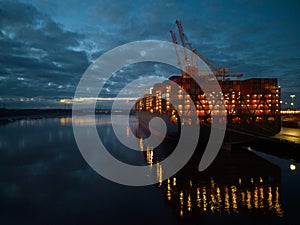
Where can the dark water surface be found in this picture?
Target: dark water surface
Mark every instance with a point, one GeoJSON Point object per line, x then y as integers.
{"type": "Point", "coordinates": [45, 180]}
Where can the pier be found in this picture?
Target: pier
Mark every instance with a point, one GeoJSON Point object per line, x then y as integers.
{"type": "Point", "coordinates": [290, 118]}
{"type": "Point", "coordinates": [289, 134]}
{"type": "Point", "coordinates": [285, 144]}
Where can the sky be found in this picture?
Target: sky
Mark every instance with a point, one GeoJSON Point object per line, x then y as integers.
{"type": "Point", "coordinates": [47, 45]}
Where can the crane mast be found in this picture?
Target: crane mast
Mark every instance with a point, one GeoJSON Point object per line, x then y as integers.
{"type": "Point", "coordinates": [182, 38]}
{"type": "Point", "coordinates": [176, 48]}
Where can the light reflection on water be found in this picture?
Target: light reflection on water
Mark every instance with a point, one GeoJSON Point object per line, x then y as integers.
{"type": "Point", "coordinates": [43, 174]}
{"type": "Point", "coordinates": [237, 183]}
{"type": "Point", "coordinates": [224, 189]}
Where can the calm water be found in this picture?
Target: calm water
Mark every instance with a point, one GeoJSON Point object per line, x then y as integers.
{"type": "Point", "coordinates": [44, 180]}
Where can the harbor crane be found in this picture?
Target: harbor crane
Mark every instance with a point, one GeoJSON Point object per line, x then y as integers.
{"type": "Point", "coordinates": [220, 73]}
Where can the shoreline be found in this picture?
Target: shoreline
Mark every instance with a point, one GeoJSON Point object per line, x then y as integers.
{"type": "Point", "coordinates": [11, 115]}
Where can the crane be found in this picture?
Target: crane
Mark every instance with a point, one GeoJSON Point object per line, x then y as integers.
{"type": "Point", "coordinates": [176, 48]}
{"type": "Point", "coordinates": [183, 42]}
{"type": "Point", "coordinates": [219, 73]}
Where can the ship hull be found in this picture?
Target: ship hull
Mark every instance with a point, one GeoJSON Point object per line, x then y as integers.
{"type": "Point", "coordinates": [233, 135]}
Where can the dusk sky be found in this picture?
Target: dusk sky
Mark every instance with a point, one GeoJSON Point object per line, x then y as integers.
{"type": "Point", "coordinates": [47, 45]}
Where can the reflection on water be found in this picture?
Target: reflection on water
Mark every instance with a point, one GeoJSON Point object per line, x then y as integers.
{"type": "Point", "coordinates": [238, 182]}
{"type": "Point", "coordinates": [87, 120]}
{"type": "Point", "coordinates": [213, 197]}
{"type": "Point", "coordinates": [65, 120]}
{"type": "Point", "coordinates": [43, 175]}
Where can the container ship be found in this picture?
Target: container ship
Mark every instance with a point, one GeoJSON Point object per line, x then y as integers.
{"type": "Point", "coordinates": [252, 105]}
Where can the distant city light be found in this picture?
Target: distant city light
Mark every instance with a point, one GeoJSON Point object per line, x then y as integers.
{"type": "Point", "coordinates": [70, 101]}
{"type": "Point", "coordinates": [292, 103]}
{"type": "Point", "coordinates": [289, 111]}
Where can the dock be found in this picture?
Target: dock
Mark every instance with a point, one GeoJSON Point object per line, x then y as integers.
{"type": "Point", "coordinates": [288, 134]}
{"type": "Point", "coordinates": [285, 144]}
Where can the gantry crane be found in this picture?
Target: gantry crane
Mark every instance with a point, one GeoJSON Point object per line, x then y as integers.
{"type": "Point", "coordinates": [190, 62]}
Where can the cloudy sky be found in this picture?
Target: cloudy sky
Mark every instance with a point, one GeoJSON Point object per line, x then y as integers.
{"type": "Point", "coordinates": [47, 45]}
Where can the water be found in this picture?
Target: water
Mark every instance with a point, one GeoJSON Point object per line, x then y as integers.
{"type": "Point", "coordinates": [45, 180]}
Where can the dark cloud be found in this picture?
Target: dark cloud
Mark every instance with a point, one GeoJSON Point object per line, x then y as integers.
{"type": "Point", "coordinates": [37, 50]}
{"type": "Point", "coordinates": [133, 72]}
{"type": "Point", "coordinates": [50, 44]}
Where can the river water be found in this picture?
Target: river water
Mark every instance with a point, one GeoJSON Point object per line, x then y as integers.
{"type": "Point", "coordinates": [45, 180]}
